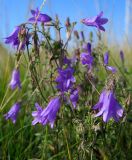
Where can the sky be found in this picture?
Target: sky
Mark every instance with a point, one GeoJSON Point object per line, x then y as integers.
{"type": "Point", "coordinates": [15, 12]}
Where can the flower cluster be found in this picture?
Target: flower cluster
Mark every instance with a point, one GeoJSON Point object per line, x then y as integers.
{"type": "Point", "coordinates": [66, 90]}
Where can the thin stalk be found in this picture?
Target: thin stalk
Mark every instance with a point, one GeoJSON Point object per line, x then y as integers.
{"type": "Point", "coordinates": [69, 154]}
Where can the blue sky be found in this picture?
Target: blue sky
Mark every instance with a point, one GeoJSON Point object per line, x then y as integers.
{"type": "Point", "coordinates": [14, 12]}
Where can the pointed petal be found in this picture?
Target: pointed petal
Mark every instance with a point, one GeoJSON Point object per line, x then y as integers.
{"type": "Point", "coordinates": [101, 28]}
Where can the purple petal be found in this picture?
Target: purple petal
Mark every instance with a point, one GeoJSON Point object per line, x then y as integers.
{"type": "Point", "coordinates": [106, 58]}
{"type": "Point", "coordinates": [33, 12]}
{"type": "Point", "coordinates": [112, 69]}
{"type": "Point", "coordinates": [122, 56]}
{"type": "Point", "coordinates": [89, 48]}
{"type": "Point", "coordinates": [101, 28]}
{"type": "Point", "coordinates": [103, 21]}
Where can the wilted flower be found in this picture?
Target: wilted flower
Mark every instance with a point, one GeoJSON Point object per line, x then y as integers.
{"type": "Point", "coordinates": [18, 38]}
{"type": "Point", "coordinates": [96, 21]}
{"type": "Point", "coordinates": [76, 34]}
{"type": "Point", "coordinates": [68, 28]}
{"type": "Point", "coordinates": [13, 112]}
{"type": "Point", "coordinates": [39, 17]}
{"type": "Point", "coordinates": [68, 23]}
{"type": "Point", "coordinates": [86, 57]}
{"type": "Point", "coordinates": [122, 56]}
{"type": "Point", "coordinates": [108, 106]}
{"type": "Point", "coordinates": [65, 79]}
{"type": "Point", "coordinates": [15, 79]}
{"type": "Point", "coordinates": [106, 61]}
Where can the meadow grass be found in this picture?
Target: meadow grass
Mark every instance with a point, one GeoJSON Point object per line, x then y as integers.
{"type": "Point", "coordinates": [77, 135]}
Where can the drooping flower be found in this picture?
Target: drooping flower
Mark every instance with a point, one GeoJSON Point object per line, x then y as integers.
{"type": "Point", "coordinates": [47, 115]}
{"type": "Point", "coordinates": [106, 62]}
{"type": "Point", "coordinates": [74, 97]}
{"type": "Point", "coordinates": [39, 17]}
{"type": "Point", "coordinates": [50, 112]}
{"type": "Point", "coordinates": [37, 114]}
{"type": "Point", "coordinates": [13, 112]}
{"type": "Point", "coordinates": [18, 38]}
{"type": "Point", "coordinates": [86, 57]}
{"type": "Point", "coordinates": [15, 79]}
{"type": "Point", "coordinates": [108, 106]}
{"type": "Point", "coordinates": [13, 38]}
{"type": "Point", "coordinates": [122, 56]}
{"type": "Point", "coordinates": [65, 79]}
{"type": "Point", "coordinates": [96, 21]}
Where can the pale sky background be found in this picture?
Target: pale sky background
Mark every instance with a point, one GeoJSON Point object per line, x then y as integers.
{"type": "Point", "coordinates": [15, 12]}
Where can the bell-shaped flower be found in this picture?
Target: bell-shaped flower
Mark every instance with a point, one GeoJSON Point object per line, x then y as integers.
{"type": "Point", "coordinates": [65, 79]}
{"type": "Point", "coordinates": [74, 97]}
{"type": "Point", "coordinates": [13, 112]}
{"type": "Point", "coordinates": [106, 58]}
{"type": "Point", "coordinates": [122, 56]}
{"type": "Point", "coordinates": [108, 106]}
{"type": "Point", "coordinates": [47, 115]}
{"type": "Point", "coordinates": [37, 114]}
{"type": "Point", "coordinates": [106, 61]}
{"type": "Point", "coordinates": [18, 38]}
{"type": "Point", "coordinates": [96, 21]}
{"type": "Point", "coordinates": [15, 79]}
{"type": "Point", "coordinates": [39, 17]}
{"type": "Point", "coordinates": [50, 112]}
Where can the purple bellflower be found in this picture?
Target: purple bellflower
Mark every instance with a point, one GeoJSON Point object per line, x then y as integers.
{"type": "Point", "coordinates": [122, 56]}
{"type": "Point", "coordinates": [74, 97]}
{"type": "Point", "coordinates": [65, 79]}
{"type": "Point", "coordinates": [47, 115]}
{"type": "Point", "coordinates": [37, 114]}
{"type": "Point", "coordinates": [86, 57]}
{"type": "Point", "coordinates": [70, 62]}
{"type": "Point", "coordinates": [18, 38]}
{"type": "Point", "coordinates": [111, 69]}
{"type": "Point", "coordinates": [13, 112]}
{"type": "Point", "coordinates": [15, 79]}
{"type": "Point", "coordinates": [106, 58]}
{"type": "Point", "coordinates": [96, 21]}
{"type": "Point", "coordinates": [108, 106]}
{"type": "Point", "coordinates": [106, 61]}
{"type": "Point", "coordinates": [67, 61]}
{"type": "Point", "coordinates": [39, 17]}
{"type": "Point", "coordinates": [65, 84]}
